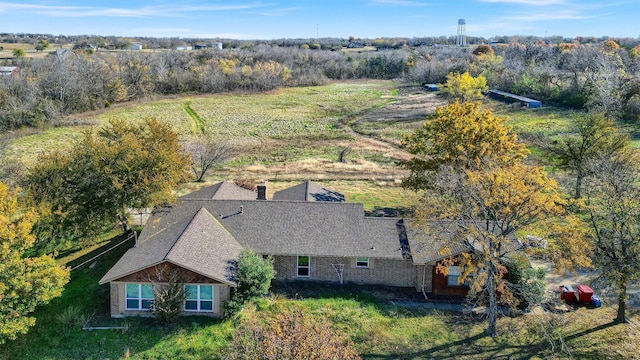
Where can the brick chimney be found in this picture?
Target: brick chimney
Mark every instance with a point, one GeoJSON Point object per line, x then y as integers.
{"type": "Point", "coordinates": [262, 191]}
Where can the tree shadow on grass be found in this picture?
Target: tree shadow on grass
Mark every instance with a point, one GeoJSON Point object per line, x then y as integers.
{"type": "Point", "coordinates": [589, 331]}
{"type": "Point", "coordinates": [388, 300]}
{"type": "Point", "coordinates": [478, 345]}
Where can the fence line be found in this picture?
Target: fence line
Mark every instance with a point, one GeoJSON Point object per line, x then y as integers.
{"type": "Point", "coordinates": [134, 234]}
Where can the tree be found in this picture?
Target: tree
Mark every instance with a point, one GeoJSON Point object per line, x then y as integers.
{"type": "Point", "coordinates": [461, 135]}
{"type": "Point", "coordinates": [476, 185]}
{"type": "Point", "coordinates": [483, 209]}
{"type": "Point", "coordinates": [613, 201]}
{"type": "Point", "coordinates": [465, 87]}
{"type": "Point", "coordinates": [42, 45]}
{"type": "Point", "coordinates": [168, 299]}
{"type": "Point", "coordinates": [91, 186]}
{"type": "Point", "coordinates": [253, 275]}
{"type": "Point", "coordinates": [206, 153]}
{"type": "Point", "coordinates": [595, 137]}
{"type": "Point", "coordinates": [25, 282]}
{"type": "Point", "coordinates": [483, 50]}
{"type": "Point", "coordinates": [290, 334]}
{"type": "Point", "coordinates": [18, 53]}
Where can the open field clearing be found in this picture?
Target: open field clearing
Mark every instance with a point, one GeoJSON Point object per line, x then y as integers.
{"type": "Point", "coordinates": [285, 115]}
{"type": "Point", "coordinates": [29, 50]}
{"type": "Point", "coordinates": [296, 134]}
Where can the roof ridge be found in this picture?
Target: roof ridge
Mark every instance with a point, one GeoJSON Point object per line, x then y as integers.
{"type": "Point", "coordinates": [166, 256]}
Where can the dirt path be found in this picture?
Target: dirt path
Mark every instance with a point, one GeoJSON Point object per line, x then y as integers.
{"type": "Point", "coordinates": [411, 105]}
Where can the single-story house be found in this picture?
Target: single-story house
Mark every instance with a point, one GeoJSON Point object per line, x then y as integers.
{"type": "Point", "coordinates": [355, 45]}
{"type": "Point", "coordinates": [310, 231]}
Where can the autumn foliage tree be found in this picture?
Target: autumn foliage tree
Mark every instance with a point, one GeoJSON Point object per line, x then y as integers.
{"type": "Point", "coordinates": [25, 282]}
{"type": "Point", "coordinates": [91, 185]}
{"type": "Point", "coordinates": [469, 165]}
{"type": "Point", "coordinates": [462, 135]}
{"type": "Point", "coordinates": [465, 87]}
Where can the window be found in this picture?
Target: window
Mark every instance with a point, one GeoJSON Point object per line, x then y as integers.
{"type": "Point", "coordinates": [304, 266]}
{"type": "Point", "coordinates": [362, 262]}
{"type": "Point", "coordinates": [454, 274]}
{"type": "Point", "coordinates": [198, 298]}
{"type": "Point", "coordinates": [139, 296]}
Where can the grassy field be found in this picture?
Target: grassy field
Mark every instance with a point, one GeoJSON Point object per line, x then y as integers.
{"type": "Point", "coordinates": [288, 135]}
{"type": "Point", "coordinates": [296, 134]}
{"type": "Point", "coordinates": [379, 326]}
{"type": "Point", "coordinates": [30, 50]}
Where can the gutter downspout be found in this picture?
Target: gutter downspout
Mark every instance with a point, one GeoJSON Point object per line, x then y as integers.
{"type": "Point", "coordinates": [424, 274]}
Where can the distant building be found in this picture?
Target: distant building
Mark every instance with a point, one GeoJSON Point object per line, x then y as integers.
{"type": "Point", "coordinates": [512, 98]}
{"type": "Point", "coordinates": [184, 47]}
{"type": "Point", "coordinates": [8, 70]}
{"type": "Point", "coordinates": [355, 45]}
{"type": "Point", "coordinates": [430, 87]}
{"type": "Point", "coordinates": [135, 46]}
{"type": "Point", "coordinates": [217, 46]}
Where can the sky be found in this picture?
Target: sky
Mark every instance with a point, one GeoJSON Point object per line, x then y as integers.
{"type": "Point", "coordinates": [277, 19]}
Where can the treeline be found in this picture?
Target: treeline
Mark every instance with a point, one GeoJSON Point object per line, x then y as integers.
{"type": "Point", "coordinates": [72, 82]}
{"type": "Point", "coordinates": [119, 42]}
{"type": "Point", "coordinates": [603, 76]}
{"type": "Point", "coordinates": [599, 76]}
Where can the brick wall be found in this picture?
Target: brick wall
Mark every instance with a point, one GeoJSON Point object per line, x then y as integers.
{"type": "Point", "coordinates": [389, 272]}
{"type": "Point", "coordinates": [159, 275]}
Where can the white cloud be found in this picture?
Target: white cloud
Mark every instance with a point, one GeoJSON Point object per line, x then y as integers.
{"type": "Point", "coordinates": [557, 15]}
{"type": "Point", "coordinates": [528, 2]}
{"type": "Point", "coordinates": [84, 11]}
{"type": "Point", "coordinates": [400, 3]}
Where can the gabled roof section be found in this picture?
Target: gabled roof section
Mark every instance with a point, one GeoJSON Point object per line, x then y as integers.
{"type": "Point", "coordinates": [222, 191]}
{"type": "Point", "coordinates": [200, 244]}
{"type": "Point", "coordinates": [308, 191]}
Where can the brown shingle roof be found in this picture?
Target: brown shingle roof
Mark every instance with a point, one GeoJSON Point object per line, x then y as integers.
{"type": "Point", "coordinates": [308, 191]}
{"type": "Point", "coordinates": [222, 191]}
{"type": "Point", "coordinates": [200, 244]}
{"type": "Point", "coordinates": [295, 227]}
{"type": "Point", "coordinates": [205, 233]}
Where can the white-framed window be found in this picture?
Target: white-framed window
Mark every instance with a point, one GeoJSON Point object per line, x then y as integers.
{"type": "Point", "coordinates": [303, 266]}
{"type": "Point", "coordinates": [138, 296]}
{"type": "Point", "coordinates": [454, 274]}
{"type": "Point", "coordinates": [362, 262]}
{"type": "Point", "coordinates": [198, 298]}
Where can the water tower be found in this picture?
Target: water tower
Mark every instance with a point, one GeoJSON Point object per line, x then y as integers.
{"type": "Point", "coordinates": [462, 33]}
